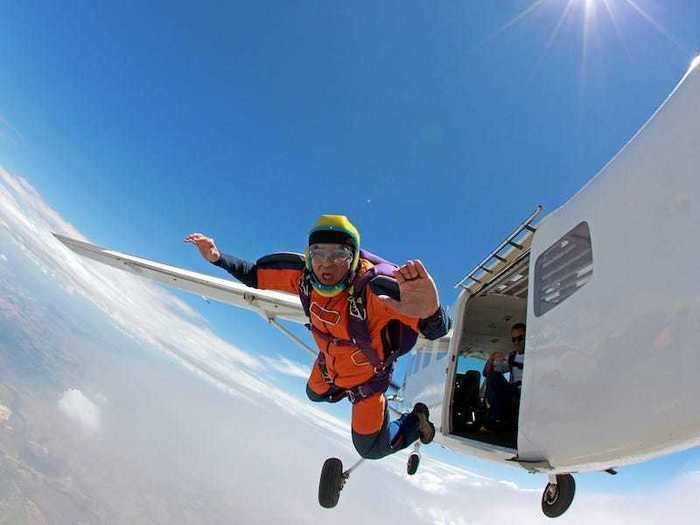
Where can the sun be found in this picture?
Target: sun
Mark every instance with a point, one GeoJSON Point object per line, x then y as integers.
{"type": "Point", "coordinates": [618, 12]}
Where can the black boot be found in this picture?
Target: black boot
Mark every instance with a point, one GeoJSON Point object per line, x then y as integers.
{"type": "Point", "coordinates": [426, 430]}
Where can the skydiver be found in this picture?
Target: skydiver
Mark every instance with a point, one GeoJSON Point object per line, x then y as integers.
{"type": "Point", "coordinates": [391, 308]}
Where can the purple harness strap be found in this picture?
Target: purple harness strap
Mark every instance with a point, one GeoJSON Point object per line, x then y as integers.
{"type": "Point", "coordinates": [379, 383]}
{"type": "Point", "coordinates": [364, 346]}
{"type": "Point", "coordinates": [358, 329]}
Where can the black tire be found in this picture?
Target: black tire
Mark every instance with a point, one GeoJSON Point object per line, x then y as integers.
{"type": "Point", "coordinates": [331, 483]}
{"type": "Point", "coordinates": [412, 465]}
{"type": "Point", "coordinates": [557, 499]}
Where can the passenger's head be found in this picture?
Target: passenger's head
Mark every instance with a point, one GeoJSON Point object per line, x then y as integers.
{"type": "Point", "coordinates": [333, 254]}
{"type": "Point", "coordinates": [517, 336]}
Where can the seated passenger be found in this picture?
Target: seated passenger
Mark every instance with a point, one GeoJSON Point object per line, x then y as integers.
{"type": "Point", "coordinates": [517, 357]}
{"type": "Point", "coordinates": [503, 395]}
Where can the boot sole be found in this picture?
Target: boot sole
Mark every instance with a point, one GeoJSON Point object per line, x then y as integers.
{"type": "Point", "coordinates": [426, 430]}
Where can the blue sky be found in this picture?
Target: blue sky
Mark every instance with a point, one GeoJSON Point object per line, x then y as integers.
{"type": "Point", "coordinates": [436, 127]}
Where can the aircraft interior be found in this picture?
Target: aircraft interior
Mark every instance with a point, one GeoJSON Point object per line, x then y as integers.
{"type": "Point", "coordinates": [486, 328]}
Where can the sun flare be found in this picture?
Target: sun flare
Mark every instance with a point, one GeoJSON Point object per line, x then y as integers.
{"type": "Point", "coordinates": [592, 14]}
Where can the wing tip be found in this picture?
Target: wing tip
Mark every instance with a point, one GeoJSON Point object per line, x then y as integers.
{"type": "Point", "coordinates": [65, 240]}
{"type": "Point", "coordinates": [62, 239]}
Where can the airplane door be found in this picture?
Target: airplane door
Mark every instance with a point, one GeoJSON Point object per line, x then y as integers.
{"type": "Point", "coordinates": [612, 366]}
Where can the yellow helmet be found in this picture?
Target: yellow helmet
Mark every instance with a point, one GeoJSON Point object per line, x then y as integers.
{"type": "Point", "coordinates": [335, 229]}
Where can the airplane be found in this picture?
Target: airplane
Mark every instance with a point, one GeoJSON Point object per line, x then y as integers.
{"type": "Point", "coordinates": [605, 286]}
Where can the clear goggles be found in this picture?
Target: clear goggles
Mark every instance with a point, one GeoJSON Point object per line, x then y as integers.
{"type": "Point", "coordinates": [332, 253]}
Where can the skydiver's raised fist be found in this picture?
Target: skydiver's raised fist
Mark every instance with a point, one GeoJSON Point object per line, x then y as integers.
{"type": "Point", "coordinates": [205, 245]}
{"type": "Point", "coordinates": [419, 295]}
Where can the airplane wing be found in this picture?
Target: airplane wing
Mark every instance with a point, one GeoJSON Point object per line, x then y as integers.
{"type": "Point", "coordinates": [269, 304]}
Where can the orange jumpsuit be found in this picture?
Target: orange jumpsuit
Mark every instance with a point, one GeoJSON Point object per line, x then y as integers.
{"type": "Point", "coordinates": [346, 366]}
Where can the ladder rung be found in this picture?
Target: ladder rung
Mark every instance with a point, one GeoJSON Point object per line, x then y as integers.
{"type": "Point", "coordinates": [525, 226]}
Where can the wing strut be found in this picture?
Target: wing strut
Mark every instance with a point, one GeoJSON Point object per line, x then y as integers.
{"type": "Point", "coordinates": [287, 332]}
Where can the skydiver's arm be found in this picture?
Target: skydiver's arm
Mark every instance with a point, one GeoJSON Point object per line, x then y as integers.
{"type": "Point", "coordinates": [279, 271]}
{"type": "Point", "coordinates": [435, 326]}
{"type": "Point", "coordinates": [244, 271]}
{"type": "Point", "coordinates": [432, 327]}
{"type": "Point", "coordinates": [419, 299]}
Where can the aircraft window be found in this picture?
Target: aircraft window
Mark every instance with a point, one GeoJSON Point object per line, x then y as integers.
{"type": "Point", "coordinates": [440, 355]}
{"type": "Point", "coordinates": [563, 269]}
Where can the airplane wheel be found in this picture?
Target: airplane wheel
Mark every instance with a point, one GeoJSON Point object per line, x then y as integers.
{"type": "Point", "coordinates": [413, 462]}
{"type": "Point", "coordinates": [332, 481]}
{"type": "Point", "coordinates": [558, 496]}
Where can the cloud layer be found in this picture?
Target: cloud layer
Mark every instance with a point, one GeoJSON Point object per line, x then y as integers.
{"type": "Point", "coordinates": [143, 310]}
{"type": "Point", "coordinates": [264, 446]}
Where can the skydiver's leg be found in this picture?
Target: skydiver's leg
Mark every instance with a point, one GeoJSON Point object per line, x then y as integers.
{"type": "Point", "coordinates": [317, 389]}
{"type": "Point", "coordinates": [371, 432]}
{"type": "Point", "coordinates": [374, 435]}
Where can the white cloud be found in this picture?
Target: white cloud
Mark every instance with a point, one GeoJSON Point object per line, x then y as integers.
{"type": "Point", "coordinates": [445, 494]}
{"type": "Point", "coordinates": [5, 413]}
{"type": "Point", "coordinates": [141, 309]}
{"type": "Point", "coordinates": [80, 410]}
{"type": "Point", "coordinates": [286, 366]}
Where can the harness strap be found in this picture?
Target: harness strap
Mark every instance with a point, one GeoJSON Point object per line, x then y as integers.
{"type": "Point", "coordinates": [359, 332]}
{"type": "Point", "coordinates": [379, 383]}
{"type": "Point", "coordinates": [324, 369]}
{"type": "Point", "coordinates": [364, 346]}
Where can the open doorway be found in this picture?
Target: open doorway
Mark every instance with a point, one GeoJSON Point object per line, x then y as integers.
{"type": "Point", "coordinates": [487, 376]}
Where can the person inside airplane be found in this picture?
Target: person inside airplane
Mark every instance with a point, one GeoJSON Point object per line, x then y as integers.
{"type": "Point", "coordinates": [364, 312]}
{"type": "Point", "coordinates": [503, 395]}
{"type": "Point", "coordinates": [517, 356]}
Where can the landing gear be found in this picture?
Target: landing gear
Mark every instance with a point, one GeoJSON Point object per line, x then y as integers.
{"type": "Point", "coordinates": [333, 478]}
{"type": "Point", "coordinates": [558, 495]}
{"type": "Point", "coordinates": [413, 460]}
{"type": "Point", "coordinates": [332, 481]}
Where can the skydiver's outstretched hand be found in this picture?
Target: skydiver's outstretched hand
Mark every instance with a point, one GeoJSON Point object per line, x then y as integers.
{"type": "Point", "coordinates": [419, 296]}
{"type": "Point", "coordinates": [205, 245]}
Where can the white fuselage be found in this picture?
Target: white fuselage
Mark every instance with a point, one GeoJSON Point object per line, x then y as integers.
{"type": "Point", "coordinates": [611, 370]}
